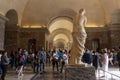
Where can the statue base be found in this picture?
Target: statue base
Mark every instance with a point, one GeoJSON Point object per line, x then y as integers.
{"type": "Point", "coordinates": [79, 72]}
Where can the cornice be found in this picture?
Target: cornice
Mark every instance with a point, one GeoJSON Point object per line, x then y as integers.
{"type": "Point", "coordinates": [3, 18]}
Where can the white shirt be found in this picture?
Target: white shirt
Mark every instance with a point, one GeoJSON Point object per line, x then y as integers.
{"type": "Point", "coordinates": [65, 58]}
{"type": "Point", "coordinates": [105, 67]}
{"type": "Point", "coordinates": [55, 55]}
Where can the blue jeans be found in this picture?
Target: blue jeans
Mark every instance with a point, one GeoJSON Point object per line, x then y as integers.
{"type": "Point", "coordinates": [12, 63]}
{"type": "Point", "coordinates": [4, 71]}
{"type": "Point", "coordinates": [42, 66]}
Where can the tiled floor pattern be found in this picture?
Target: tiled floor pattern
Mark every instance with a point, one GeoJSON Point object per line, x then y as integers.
{"type": "Point", "coordinates": [50, 75]}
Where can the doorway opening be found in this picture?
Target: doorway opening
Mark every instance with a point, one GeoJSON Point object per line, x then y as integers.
{"type": "Point", "coordinates": [31, 45]}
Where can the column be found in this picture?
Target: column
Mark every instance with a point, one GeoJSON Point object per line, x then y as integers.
{"type": "Point", "coordinates": [3, 19]}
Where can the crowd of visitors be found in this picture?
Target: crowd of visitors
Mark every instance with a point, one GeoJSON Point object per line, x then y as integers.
{"type": "Point", "coordinates": [38, 60]}
{"type": "Point", "coordinates": [102, 59]}
{"type": "Point", "coordinates": [58, 58]}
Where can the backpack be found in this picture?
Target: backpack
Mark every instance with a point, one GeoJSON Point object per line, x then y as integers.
{"type": "Point", "coordinates": [21, 60]}
{"type": "Point", "coordinates": [84, 58]}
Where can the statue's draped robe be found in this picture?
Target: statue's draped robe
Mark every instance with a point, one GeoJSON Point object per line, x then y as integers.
{"type": "Point", "coordinates": [79, 38]}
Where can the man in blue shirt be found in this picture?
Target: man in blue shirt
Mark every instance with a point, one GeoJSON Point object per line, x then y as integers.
{"type": "Point", "coordinates": [42, 58]}
{"type": "Point", "coordinates": [60, 55]}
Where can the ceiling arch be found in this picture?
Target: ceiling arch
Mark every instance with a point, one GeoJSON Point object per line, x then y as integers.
{"type": "Point", "coordinates": [41, 11]}
{"type": "Point", "coordinates": [63, 31]}
{"type": "Point", "coordinates": [36, 15]}
{"type": "Point", "coordinates": [60, 43]}
{"type": "Point", "coordinates": [19, 6]}
{"type": "Point", "coordinates": [54, 19]}
{"type": "Point", "coordinates": [61, 23]}
{"type": "Point", "coordinates": [60, 40]}
{"type": "Point", "coordinates": [115, 19]}
{"type": "Point", "coordinates": [61, 36]}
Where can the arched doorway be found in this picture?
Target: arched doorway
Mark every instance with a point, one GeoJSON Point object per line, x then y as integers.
{"type": "Point", "coordinates": [32, 45]}
{"type": "Point", "coordinates": [11, 31]}
{"type": "Point", "coordinates": [95, 44]}
{"type": "Point", "coordinates": [60, 40]}
{"type": "Point", "coordinates": [60, 43]}
{"type": "Point", "coordinates": [61, 32]}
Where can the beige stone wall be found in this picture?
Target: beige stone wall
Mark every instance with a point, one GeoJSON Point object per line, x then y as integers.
{"type": "Point", "coordinates": [114, 35]}
{"type": "Point", "coordinates": [37, 34]}
{"type": "Point", "coordinates": [11, 39]}
{"type": "Point", "coordinates": [97, 33]}
{"type": "Point", "coordinates": [109, 37]}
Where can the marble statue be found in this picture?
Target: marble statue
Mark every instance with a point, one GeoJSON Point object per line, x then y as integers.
{"type": "Point", "coordinates": [79, 37]}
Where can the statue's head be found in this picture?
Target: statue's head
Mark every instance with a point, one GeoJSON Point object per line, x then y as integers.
{"type": "Point", "coordinates": [82, 11]}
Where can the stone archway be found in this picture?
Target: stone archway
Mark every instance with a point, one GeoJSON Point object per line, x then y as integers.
{"type": "Point", "coordinates": [13, 19]}
{"type": "Point", "coordinates": [60, 30]}
{"type": "Point", "coordinates": [60, 39]}
{"type": "Point", "coordinates": [59, 43]}
{"type": "Point", "coordinates": [11, 31]}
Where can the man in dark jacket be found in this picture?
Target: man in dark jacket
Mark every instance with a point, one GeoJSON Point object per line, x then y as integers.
{"type": "Point", "coordinates": [4, 64]}
{"type": "Point", "coordinates": [87, 57]}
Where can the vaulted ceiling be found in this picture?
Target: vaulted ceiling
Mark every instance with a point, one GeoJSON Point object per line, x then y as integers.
{"type": "Point", "coordinates": [40, 12]}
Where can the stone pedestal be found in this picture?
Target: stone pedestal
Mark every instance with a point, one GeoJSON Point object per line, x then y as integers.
{"type": "Point", "coordinates": [79, 72]}
{"type": "Point", "coordinates": [2, 31]}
